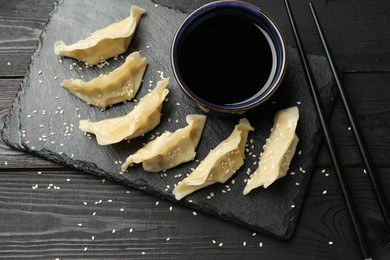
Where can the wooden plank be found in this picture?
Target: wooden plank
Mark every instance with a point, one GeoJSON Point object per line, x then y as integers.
{"type": "Point", "coordinates": [44, 222]}
{"type": "Point", "coordinates": [11, 158]}
{"type": "Point", "coordinates": [368, 95]}
{"type": "Point", "coordinates": [362, 49]}
{"type": "Point", "coordinates": [370, 100]}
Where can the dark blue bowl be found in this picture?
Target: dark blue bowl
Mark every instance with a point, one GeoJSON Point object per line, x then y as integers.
{"type": "Point", "coordinates": [273, 35]}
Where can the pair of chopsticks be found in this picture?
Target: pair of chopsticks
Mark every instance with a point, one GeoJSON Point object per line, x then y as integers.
{"type": "Point", "coordinates": [375, 182]}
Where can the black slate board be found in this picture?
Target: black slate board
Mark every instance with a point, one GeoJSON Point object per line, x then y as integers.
{"type": "Point", "coordinates": [44, 118]}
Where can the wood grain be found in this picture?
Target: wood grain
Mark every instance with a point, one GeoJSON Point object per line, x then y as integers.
{"type": "Point", "coordinates": [43, 223]}
{"type": "Point", "coordinates": [53, 215]}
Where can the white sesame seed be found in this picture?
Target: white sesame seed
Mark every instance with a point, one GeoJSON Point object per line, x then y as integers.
{"type": "Point", "coordinates": [85, 249]}
{"type": "Point", "coordinates": [324, 192]}
{"type": "Point", "coordinates": [292, 206]}
{"type": "Point", "coordinates": [93, 238]}
{"type": "Point", "coordinates": [143, 253]}
{"type": "Point", "coordinates": [168, 238]}
{"type": "Point", "coordinates": [40, 72]}
{"type": "Point", "coordinates": [292, 173]}
{"type": "Point", "coordinates": [94, 214]}
{"type": "Point", "coordinates": [299, 102]}
{"type": "Point", "coordinates": [113, 231]}
{"type": "Point", "coordinates": [349, 128]}
{"type": "Point", "coordinates": [220, 244]}
{"type": "Point", "coordinates": [80, 224]}
{"type": "Point", "coordinates": [297, 183]}
{"type": "Point", "coordinates": [109, 201]}
{"type": "Point", "coordinates": [170, 208]}
{"type": "Point", "coordinates": [364, 170]}
{"type": "Point", "coordinates": [85, 203]}
{"type": "Point", "coordinates": [9, 63]}
{"type": "Point", "coordinates": [261, 244]}
{"type": "Point", "coordinates": [131, 230]}
{"type": "Point", "coordinates": [244, 243]}
{"type": "Point", "coordinates": [214, 241]}
{"type": "Point", "coordinates": [6, 163]}
{"type": "Point", "coordinates": [194, 213]}
{"type": "Point", "coordinates": [254, 234]}
{"type": "Point", "coordinates": [68, 179]}
{"type": "Point", "coordinates": [330, 242]}
{"type": "Point", "coordinates": [122, 209]}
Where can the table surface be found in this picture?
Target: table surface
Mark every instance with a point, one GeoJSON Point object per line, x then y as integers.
{"type": "Point", "coordinates": [48, 211]}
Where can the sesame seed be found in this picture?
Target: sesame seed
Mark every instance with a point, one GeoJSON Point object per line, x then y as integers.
{"type": "Point", "coordinates": [330, 242]}
{"type": "Point", "coordinates": [109, 201]}
{"type": "Point", "coordinates": [299, 152]}
{"type": "Point", "coordinates": [6, 163]}
{"type": "Point", "coordinates": [155, 5]}
{"type": "Point", "coordinates": [220, 244]}
{"type": "Point", "coordinates": [292, 206]}
{"type": "Point", "coordinates": [364, 170]}
{"type": "Point", "coordinates": [349, 128]}
{"type": "Point", "coordinates": [254, 234]}
{"type": "Point", "coordinates": [214, 241]}
{"type": "Point", "coordinates": [292, 173]}
{"type": "Point", "coordinates": [85, 249]}
{"type": "Point", "coordinates": [85, 203]}
{"type": "Point", "coordinates": [170, 208]}
{"type": "Point", "coordinates": [93, 238]}
{"type": "Point", "coordinates": [122, 209]}
{"type": "Point", "coordinates": [131, 230]}
{"type": "Point", "coordinates": [68, 179]}
{"type": "Point", "coordinates": [143, 253]}
{"type": "Point", "coordinates": [297, 183]}
{"type": "Point", "coordinates": [324, 192]}
{"type": "Point", "coordinates": [299, 102]}
{"type": "Point", "coordinates": [261, 244]}
{"type": "Point", "coordinates": [244, 243]}
{"type": "Point", "coordinates": [9, 63]}
{"type": "Point", "coordinates": [80, 224]}
{"type": "Point", "coordinates": [194, 213]}
{"type": "Point", "coordinates": [113, 231]}
{"type": "Point", "coordinates": [40, 72]}
{"type": "Point", "coordinates": [168, 238]}
{"type": "Point", "coordinates": [94, 214]}
{"type": "Point", "coordinates": [157, 202]}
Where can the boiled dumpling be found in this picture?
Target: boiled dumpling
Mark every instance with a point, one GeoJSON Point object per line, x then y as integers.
{"type": "Point", "coordinates": [143, 118]}
{"type": "Point", "coordinates": [170, 149]}
{"type": "Point", "coordinates": [220, 164]}
{"type": "Point", "coordinates": [278, 151]}
{"type": "Point", "coordinates": [104, 43]}
{"type": "Point", "coordinates": [120, 85]}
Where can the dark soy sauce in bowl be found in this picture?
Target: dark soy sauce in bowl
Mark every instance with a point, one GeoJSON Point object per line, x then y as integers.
{"type": "Point", "coordinates": [227, 59]}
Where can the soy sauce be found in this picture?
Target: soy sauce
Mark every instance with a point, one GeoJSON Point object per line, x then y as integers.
{"type": "Point", "coordinates": [226, 59]}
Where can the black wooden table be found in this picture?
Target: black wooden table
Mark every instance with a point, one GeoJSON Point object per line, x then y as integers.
{"type": "Point", "coordinates": [51, 212]}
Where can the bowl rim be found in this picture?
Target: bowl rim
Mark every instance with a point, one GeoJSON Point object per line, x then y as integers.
{"type": "Point", "coordinates": [241, 107]}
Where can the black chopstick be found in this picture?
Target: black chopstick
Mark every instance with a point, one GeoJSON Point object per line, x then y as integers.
{"type": "Point", "coordinates": [375, 182]}
{"type": "Point", "coordinates": [330, 142]}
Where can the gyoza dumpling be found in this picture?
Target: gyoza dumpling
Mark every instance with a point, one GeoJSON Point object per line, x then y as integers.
{"type": "Point", "coordinates": [143, 118]}
{"type": "Point", "coordinates": [170, 149]}
{"type": "Point", "coordinates": [220, 164]}
{"type": "Point", "coordinates": [104, 43]}
{"type": "Point", "coordinates": [120, 85]}
{"type": "Point", "coordinates": [278, 151]}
